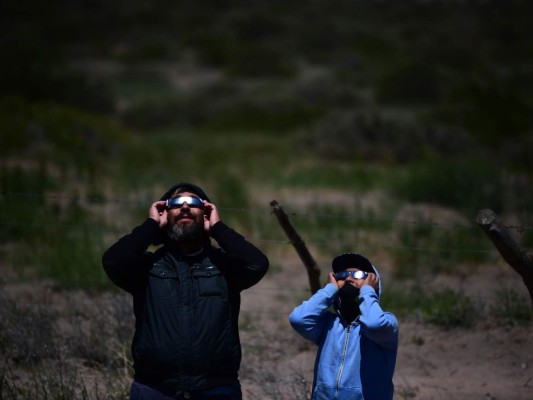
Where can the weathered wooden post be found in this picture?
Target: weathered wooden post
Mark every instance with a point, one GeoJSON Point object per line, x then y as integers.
{"type": "Point", "coordinates": [313, 271]}
{"type": "Point", "coordinates": [519, 259]}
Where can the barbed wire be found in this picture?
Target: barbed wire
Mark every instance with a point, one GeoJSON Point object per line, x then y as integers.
{"type": "Point", "coordinates": [278, 242]}
{"type": "Point", "coordinates": [482, 303]}
{"type": "Point", "coordinates": [265, 211]}
{"type": "Point", "coordinates": [273, 241]}
{"type": "Point", "coordinates": [248, 293]}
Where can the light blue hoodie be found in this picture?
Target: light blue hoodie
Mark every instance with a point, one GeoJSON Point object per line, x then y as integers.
{"type": "Point", "coordinates": [354, 361]}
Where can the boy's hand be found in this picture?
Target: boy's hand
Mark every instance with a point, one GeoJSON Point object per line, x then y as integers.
{"type": "Point", "coordinates": [331, 279]}
{"type": "Point", "coordinates": [372, 280]}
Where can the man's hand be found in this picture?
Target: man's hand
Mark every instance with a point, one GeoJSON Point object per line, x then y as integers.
{"type": "Point", "coordinates": [158, 212]}
{"type": "Point", "coordinates": [211, 216]}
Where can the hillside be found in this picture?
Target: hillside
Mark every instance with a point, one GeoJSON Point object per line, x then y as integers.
{"type": "Point", "coordinates": [380, 127]}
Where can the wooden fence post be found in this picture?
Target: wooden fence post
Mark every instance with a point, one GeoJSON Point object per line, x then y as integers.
{"type": "Point", "coordinates": [313, 271]}
{"type": "Point", "coordinates": [512, 253]}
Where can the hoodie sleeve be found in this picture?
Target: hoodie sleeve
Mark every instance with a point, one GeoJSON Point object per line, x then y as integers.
{"type": "Point", "coordinates": [308, 319]}
{"type": "Point", "coordinates": [248, 263]}
{"type": "Point", "coordinates": [378, 325]}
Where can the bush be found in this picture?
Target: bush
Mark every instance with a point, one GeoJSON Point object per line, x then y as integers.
{"type": "Point", "coordinates": [449, 309]}
{"type": "Point", "coordinates": [446, 308]}
{"type": "Point", "coordinates": [467, 185]}
{"type": "Point", "coordinates": [511, 308]}
{"type": "Point", "coordinates": [27, 335]}
{"type": "Point", "coordinates": [77, 351]}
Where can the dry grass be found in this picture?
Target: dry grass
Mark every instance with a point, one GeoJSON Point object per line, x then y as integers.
{"type": "Point", "coordinates": [63, 345]}
{"type": "Point", "coordinates": [75, 344]}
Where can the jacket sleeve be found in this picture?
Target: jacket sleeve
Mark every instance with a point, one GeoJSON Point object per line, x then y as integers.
{"type": "Point", "coordinates": [248, 263]}
{"type": "Point", "coordinates": [379, 326]}
{"type": "Point", "coordinates": [125, 262]}
{"type": "Point", "coordinates": [308, 319]}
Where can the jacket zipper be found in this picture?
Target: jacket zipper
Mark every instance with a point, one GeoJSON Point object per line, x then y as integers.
{"type": "Point", "coordinates": [344, 351]}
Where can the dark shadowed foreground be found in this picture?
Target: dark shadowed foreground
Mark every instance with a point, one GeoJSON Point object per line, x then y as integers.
{"type": "Point", "coordinates": [75, 345]}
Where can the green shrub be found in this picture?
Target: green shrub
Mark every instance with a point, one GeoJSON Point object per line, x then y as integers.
{"type": "Point", "coordinates": [23, 200]}
{"type": "Point", "coordinates": [445, 308]}
{"type": "Point", "coordinates": [55, 228]}
{"type": "Point", "coordinates": [404, 301]}
{"type": "Point", "coordinates": [449, 309]}
{"type": "Point", "coordinates": [71, 255]}
{"type": "Point", "coordinates": [27, 336]}
{"type": "Point", "coordinates": [365, 135]}
{"type": "Point", "coordinates": [467, 185]}
{"type": "Point", "coordinates": [425, 247]}
{"type": "Point", "coordinates": [511, 308]}
{"type": "Point", "coordinates": [63, 136]}
{"type": "Point", "coordinates": [411, 83]}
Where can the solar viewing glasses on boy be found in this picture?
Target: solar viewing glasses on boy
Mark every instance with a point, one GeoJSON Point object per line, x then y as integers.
{"type": "Point", "coordinates": [357, 340]}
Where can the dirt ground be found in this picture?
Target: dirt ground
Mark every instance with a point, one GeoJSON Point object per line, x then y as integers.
{"type": "Point", "coordinates": [485, 362]}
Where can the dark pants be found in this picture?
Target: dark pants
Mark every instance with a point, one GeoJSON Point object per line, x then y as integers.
{"type": "Point", "coordinates": [140, 391]}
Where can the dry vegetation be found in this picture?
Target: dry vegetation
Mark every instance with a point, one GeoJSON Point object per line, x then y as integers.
{"type": "Point", "coordinates": [75, 344]}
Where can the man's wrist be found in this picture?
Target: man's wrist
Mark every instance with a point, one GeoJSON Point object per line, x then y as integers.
{"type": "Point", "coordinates": [217, 228]}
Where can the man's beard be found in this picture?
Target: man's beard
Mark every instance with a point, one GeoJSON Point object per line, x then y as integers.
{"type": "Point", "coordinates": [193, 232]}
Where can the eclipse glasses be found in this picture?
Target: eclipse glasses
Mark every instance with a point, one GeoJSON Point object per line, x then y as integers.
{"type": "Point", "coordinates": [177, 202]}
{"type": "Point", "coordinates": [354, 274]}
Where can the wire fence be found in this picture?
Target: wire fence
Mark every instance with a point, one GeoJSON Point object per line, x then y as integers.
{"type": "Point", "coordinates": [359, 223]}
{"type": "Point", "coordinates": [275, 240]}
{"type": "Point", "coordinates": [98, 200]}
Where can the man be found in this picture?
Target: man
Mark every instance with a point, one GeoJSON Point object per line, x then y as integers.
{"type": "Point", "coordinates": [357, 345]}
{"type": "Point", "coordinates": [186, 297]}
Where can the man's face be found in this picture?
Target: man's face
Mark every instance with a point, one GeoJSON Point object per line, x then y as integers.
{"type": "Point", "coordinates": [185, 222]}
{"type": "Point", "coordinates": [349, 280]}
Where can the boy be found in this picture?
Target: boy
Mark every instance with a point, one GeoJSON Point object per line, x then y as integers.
{"type": "Point", "coordinates": [358, 343]}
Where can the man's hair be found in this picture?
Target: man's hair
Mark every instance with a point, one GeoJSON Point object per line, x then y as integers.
{"type": "Point", "coordinates": [184, 187]}
{"type": "Point", "coordinates": [183, 190]}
